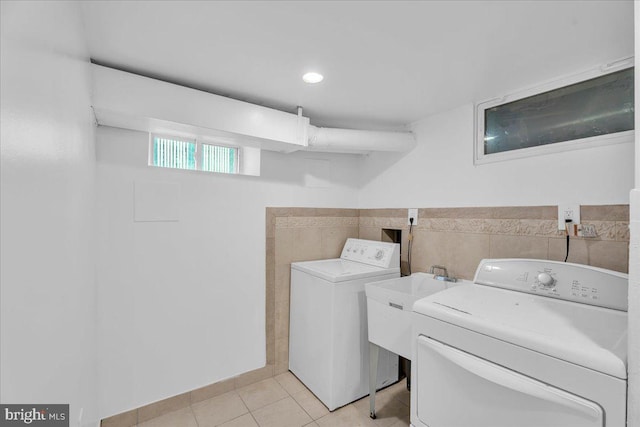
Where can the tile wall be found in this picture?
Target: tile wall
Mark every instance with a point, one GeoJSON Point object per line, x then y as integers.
{"type": "Point", "coordinates": [297, 234]}
{"type": "Point", "coordinates": [459, 238]}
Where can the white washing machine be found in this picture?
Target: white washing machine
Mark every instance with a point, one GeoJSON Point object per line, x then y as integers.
{"type": "Point", "coordinates": [328, 342]}
{"type": "Point", "coordinates": [532, 343]}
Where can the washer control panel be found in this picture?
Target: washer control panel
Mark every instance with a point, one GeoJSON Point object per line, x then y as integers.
{"type": "Point", "coordinates": [380, 254]}
{"type": "Point", "coordinates": [571, 282]}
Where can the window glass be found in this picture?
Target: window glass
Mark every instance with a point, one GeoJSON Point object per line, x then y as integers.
{"type": "Point", "coordinates": [173, 153]}
{"type": "Point", "coordinates": [599, 106]}
{"type": "Point", "coordinates": [221, 159]}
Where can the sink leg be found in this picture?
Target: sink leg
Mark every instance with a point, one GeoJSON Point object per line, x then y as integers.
{"type": "Point", "coordinates": [373, 378]}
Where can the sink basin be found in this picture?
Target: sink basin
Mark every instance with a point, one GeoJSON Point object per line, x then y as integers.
{"type": "Point", "coordinates": [389, 307]}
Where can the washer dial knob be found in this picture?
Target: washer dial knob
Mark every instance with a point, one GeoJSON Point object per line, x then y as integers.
{"type": "Point", "coordinates": [546, 280]}
{"type": "Point", "coordinates": [379, 254]}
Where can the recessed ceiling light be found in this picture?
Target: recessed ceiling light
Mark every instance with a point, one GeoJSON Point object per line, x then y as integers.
{"type": "Point", "coordinates": [313, 77]}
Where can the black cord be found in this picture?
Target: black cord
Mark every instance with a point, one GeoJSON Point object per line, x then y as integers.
{"type": "Point", "coordinates": [410, 244]}
{"type": "Point", "coordinates": [567, 227]}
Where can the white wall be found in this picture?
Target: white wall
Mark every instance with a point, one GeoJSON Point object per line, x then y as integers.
{"type": "Point", "coordinates": [633, 400]}
{"type": "Point", "coordinates": [181, 304]}
{"type": "Point", "coordinates": [48, 184]}
{"type": "Point", "coordinates": [439, 172]}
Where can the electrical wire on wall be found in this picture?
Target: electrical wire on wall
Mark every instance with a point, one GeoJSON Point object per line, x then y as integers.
{"type": "Point", "coordinates": [567, 227]}
{"type": "Point", "coordinates": [410, 244]}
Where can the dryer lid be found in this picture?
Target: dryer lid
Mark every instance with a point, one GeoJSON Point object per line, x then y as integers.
{"type": "Point", "coordinates": [589, 336]}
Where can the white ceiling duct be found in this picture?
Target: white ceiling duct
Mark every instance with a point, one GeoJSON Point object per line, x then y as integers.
{"type": "Point", "coordinates": [335, 140]}
{"type": "Point", "coordinates": [130, 101]}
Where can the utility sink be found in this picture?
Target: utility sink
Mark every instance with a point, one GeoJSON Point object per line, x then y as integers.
{"type": "Point", "coordinates": [389, 307]}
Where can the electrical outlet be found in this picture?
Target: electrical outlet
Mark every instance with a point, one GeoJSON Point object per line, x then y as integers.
{"type": "Point", "coordinates": [568, 211]}
{"type": "Point", "coordinates": [413, 213]}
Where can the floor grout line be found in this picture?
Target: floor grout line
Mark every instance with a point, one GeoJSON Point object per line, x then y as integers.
{"type": "Point", "coordinates": [313, 420]}
{"type": "Point", "coordinates": [254, 418]}
{"type": "Point", "coordinates": [290, 394]}
{"type": "Point", "coordinates": [298, 403]}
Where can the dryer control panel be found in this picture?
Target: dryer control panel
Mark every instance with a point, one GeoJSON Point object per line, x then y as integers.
{"type": "Point", "coordinates": [379, 254]}
{"type": "Point", "coordinates": [567, 281]}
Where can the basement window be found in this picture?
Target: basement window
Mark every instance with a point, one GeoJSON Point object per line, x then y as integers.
{"type": "Point", "coordinates": [179, 153]}
{"type": "Point", "coordinates": [170, 152]}
{"type": "Point", "coordinates": [591, 109]}
{"type": "Point", "coordinates": [217, 158]}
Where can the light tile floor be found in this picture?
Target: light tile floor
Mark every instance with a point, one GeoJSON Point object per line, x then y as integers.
{"type": "Point", "coordinates": [283, 401]}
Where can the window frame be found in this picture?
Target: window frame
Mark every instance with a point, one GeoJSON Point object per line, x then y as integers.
{"type": "Point", "coordinates": [199, 152]}
{"type": "Point", "coordinates": [481, 158]}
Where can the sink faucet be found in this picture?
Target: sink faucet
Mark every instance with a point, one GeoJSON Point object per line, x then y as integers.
{"type": "Point", "coordinates": [444, 276]}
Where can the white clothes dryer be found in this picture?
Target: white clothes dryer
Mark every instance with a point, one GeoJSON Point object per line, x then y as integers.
{"type": "Point", "coordinates": [328, 341]}
{"type": "Point", "coordinates": [531, 343]}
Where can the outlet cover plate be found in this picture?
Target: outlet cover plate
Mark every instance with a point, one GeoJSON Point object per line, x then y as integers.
{"type": "Point", "coordinates": [568, 211]}
{"type": "Point", "coordinates": [412, 213]}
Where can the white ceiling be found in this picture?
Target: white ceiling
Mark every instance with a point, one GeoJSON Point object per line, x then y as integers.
{"type": "Point", "coordinates": [386, 63]}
